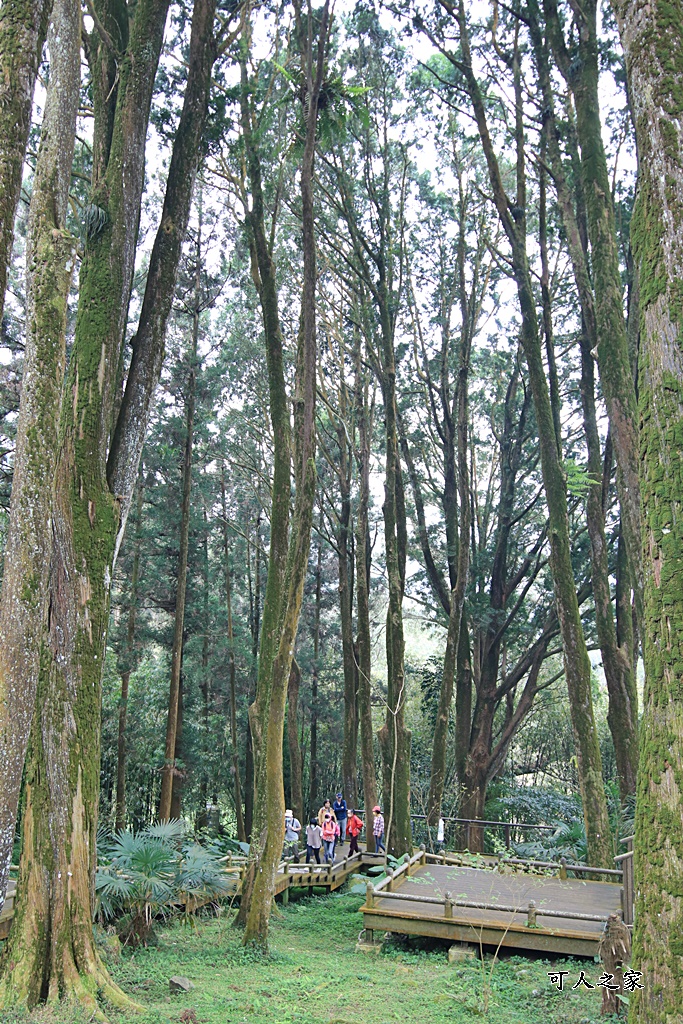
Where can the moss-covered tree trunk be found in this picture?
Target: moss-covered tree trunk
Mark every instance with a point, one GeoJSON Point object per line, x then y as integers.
{"type": "Point", "coordinates": [652, 37]}
{"type": "Point", "coordinates": [23, 27]}
{"type": "Point", "coordinates": [51, 951]}
{"type": "Point", "coordinates": [618, 657]}
{"type": "Point", "coordinates": [294, 748]}
{"type": "Point", "coordinates": [364, 639]}
{"type": "Point", "coordinates": [581, 71]}
{"type": "Point", "coordinates": [50, 259]}
{"type": "Point", "coordinates": [576, 660]}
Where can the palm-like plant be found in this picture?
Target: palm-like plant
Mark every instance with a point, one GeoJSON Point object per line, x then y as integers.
{"type": "Point", "coordinates": [153, 874]}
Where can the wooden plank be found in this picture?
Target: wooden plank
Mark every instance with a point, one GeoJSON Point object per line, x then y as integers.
{"type": "Point", "coordinates": [462, 931]}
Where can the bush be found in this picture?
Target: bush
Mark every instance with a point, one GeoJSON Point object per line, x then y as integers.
{"type": "Point", "coordinates": [155, 873]}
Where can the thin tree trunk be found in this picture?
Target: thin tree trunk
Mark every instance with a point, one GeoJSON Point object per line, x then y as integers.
{"type": "Point", "coordinates": [394, 738]}
{"type": "Point", "coordinates": [652, 37]}
{"type": "Point", "coordinates": [295, 759]}
{"type": "Point", "coordinates": [120, 817]}
{"type": "Point", "coordinates": [313, 787]}
{"type": "Point", "coordinates": [23, 27]}
{"type": "Point", "coordinates": [179, 776]}
{"type": "Point", "coordinates": [269, 809]}
{"type": "Point", "coordinates": [364, 641]}
{"type": "Point", "coordinates": [350, 740]}
{"type": "Point", "coordinates": [49, 263]}
{"type": "Point", "coordinates": [169, 769]}
{"type": "Point", "coordinates": [202, 819]}
{"type": "Point", "coordinates": [241, 829]}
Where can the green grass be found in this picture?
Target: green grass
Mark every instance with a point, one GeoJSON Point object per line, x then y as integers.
{"type": "Point", "coordinates": [313, 975]}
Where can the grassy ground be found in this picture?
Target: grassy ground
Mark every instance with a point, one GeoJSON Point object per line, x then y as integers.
{"type": "Point", "coordinates": [313, 975]}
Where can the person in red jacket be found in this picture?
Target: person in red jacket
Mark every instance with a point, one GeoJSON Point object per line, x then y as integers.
{"type": "Point", "coordinates": [354, 827]}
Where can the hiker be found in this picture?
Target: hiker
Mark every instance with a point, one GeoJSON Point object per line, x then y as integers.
{"type": "Point", "coordinates": [354, 827]}
{"type": "Point", "coordinates": [314, 840]}
{"type": "Point", "coordinates": [292, 830]}
{"type": "Point", "coordinates": [325, 809]}
{"type": "Point", "coordinates": [378, 829]}
{"type": "Point", "coordinates": [329, 835]}
{"type": "Point", "coordinates": [340, 813]}
{"type": "Point", "coordinates": [440, 835]}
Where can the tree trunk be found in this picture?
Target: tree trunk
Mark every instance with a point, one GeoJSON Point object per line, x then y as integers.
{"type": "Point", "coordinates": [364, 641]}
{"type": "Point", "coordinates": [576, 660]}
{"type": "Point", "coordinates": [345, 561]}
{"type": "Point", "coordinates": [652, 37]}
{"type": "Point", "coordinates": [23, 27]}
{"type": "Point", "coordinates": [295, 759]}
{"type": "Point", "coordinates": [179, 775]}
{"type": "Point", "coordinates": [582, 75]}
{"type": "Point", "coordinates": [394, 738]}
{"type": "Point", "coordinates": [50, 258]}
{"type": "Point", "coordinates": [270, 706]}
{"type": "Point", "coordinates": [120, 817]}
{"type": "Point", "coordinates": [457, 597]}
{"type": "Point", "coordinates": [313, 782]}
{"type": "Point", "coordinates": [241, 829]}
{"type": "Point", "coordinates": [58, 856]}
{"type": "Point", "coordinates": [169, 769]}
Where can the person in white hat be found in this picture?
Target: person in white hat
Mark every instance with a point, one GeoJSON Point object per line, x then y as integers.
{"type": "Point", "coordinates": [292, 830]}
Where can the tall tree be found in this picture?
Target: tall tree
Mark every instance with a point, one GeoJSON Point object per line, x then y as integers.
{"type": "Point", "coordinates": [59, 849]}
{"type": "Point", "coordinates": [50, 260]}
{"type": "Point", "coordinates": [289, 553]}
{"type": "Point", "coordinates": [652, 37]}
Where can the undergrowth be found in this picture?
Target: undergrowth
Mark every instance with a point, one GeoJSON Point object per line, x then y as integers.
{"type": "Point", "coordinates": [312, 975]}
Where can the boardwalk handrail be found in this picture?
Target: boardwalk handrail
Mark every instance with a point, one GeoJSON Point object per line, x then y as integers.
{"type": "Point", "coordinates": [457, 859]}
{"type": "Point", "coordinates": [477, 905]}
{"type": "Point", "coordinates": [391, 876]}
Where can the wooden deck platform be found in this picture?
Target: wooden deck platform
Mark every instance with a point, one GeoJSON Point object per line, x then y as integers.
{"type": "Point", "coordinates": [7, 909]}
{"type": "Point", "coordinates": [484, 907]}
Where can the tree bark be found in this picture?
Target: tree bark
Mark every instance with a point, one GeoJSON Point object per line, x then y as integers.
{"type": "Point", "coordinates": [345, 562]}
{"type": "Point", "coordinates": [50, 258]}
{"type": "Point", "coordinates": [364, 640]}
{"type": "Point", "coordinates": [241, 828]}
{"type": "Point", "coordinates": [313, 781]}
{"type": "Point", "coordinates": [169, 770]}
{"type": "Point", "coordinates": [295, 759]}
{"type": "Point", "coordinates": [120, 816]}
{"type": "Point", "coordinates": [23, 27]}
{"type": "Point", "coordinates": [652, 37]}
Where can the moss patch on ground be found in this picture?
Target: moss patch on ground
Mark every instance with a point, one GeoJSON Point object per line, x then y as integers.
{"type": "Point", "coordinates": [313, 975]}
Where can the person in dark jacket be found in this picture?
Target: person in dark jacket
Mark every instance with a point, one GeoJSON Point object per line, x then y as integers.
{"type": "Point", "coordinates": [341, 814]}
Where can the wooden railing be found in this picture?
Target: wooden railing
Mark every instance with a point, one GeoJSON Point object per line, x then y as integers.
{"type": "Point", "coordinates": [627, 892]}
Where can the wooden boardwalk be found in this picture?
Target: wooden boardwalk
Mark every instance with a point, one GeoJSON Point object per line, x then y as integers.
{"type": "Point", "coordinates": [484, 907]}
{"type": "Point", "coordinates": [453, 901]}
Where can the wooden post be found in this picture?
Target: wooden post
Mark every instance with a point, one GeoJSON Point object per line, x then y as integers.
{"type": "Point", "coordinates": [390, 884]}
{"type": "Point", "coordinates": [507, 837]}
{"type": "Point", "coordinates": [531, 915]}
{"type": "Point", "coordinates": [563, 868]}
{"type": "Point", "coordinates": [285, 896]}
{"type": "Point", "coordinates": [467, 836]}
{"type": "Point", "coordinates": [423, 858]}
{"type": "Point", "coordinates": [370, 896]}
{"type": "Point", "coordinates": [448, 907]}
